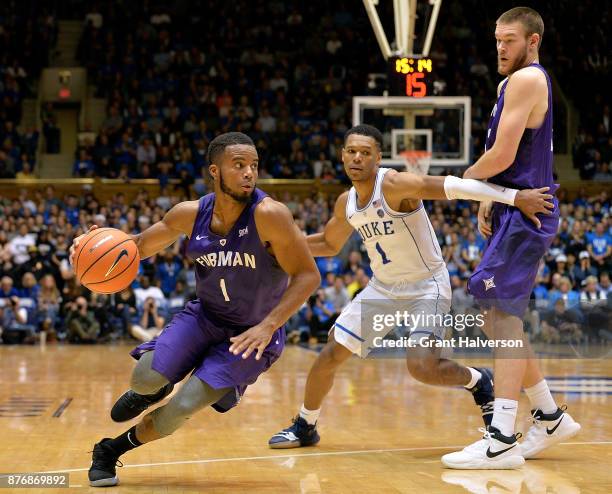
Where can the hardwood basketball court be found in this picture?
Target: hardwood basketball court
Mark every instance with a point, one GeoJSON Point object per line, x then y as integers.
{"type": "Point", "coordinates": [381, 430]}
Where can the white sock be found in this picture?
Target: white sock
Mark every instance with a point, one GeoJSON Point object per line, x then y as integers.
{"type": "Point", "coordinates": [504, 415]}
{"type": "Point", "coordinates": [476, 375]}
{"type": "Point", "coordinates": [540, 397]}
{"type": "Point", "coordinates": [310, 416]}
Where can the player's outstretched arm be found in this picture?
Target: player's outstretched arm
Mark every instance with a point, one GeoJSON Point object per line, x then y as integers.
{"type": "Point", "coordinates": [177, 221]}
{"type": "Point", "coordinates": [526, 88]}
{"type": "Point", "coordinates": [276, 228]}
{"type": "Point", "coordinates": [400, 186]}
{"type": "Point", "coordinates": [336, 233]}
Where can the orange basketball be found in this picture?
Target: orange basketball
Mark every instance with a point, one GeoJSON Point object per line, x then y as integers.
{"type": "Point", "coordinates": [106, 260]}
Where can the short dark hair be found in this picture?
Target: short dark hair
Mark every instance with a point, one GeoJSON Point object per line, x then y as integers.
{"type": "Point", "coordinates": [219, 143]}
{"type": "Point", "coordinates": [365, 130]}
{"type": "Point", "coordinates": [529, 18]}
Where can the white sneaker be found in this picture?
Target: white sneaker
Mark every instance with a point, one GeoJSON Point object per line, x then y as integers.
{"type": "Point", "coordinates": [548, 430]}
{"type": "Point", "coordinates": [493, 452]}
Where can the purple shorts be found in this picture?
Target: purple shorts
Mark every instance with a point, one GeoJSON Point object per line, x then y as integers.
{"type": "Point", "coordinates": [506, 274]}
{"type": "Point", "coordinates": [190, 342]}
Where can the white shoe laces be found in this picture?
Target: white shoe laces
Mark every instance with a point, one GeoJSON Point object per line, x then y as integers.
{"type": "Point", "coordinates": [486, 437]}
{"type": "Point", "coordinates": [485, 432]}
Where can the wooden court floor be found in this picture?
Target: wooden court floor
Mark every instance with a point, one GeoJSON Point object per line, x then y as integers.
{"type": "Point", "coordinates": [381, 431]}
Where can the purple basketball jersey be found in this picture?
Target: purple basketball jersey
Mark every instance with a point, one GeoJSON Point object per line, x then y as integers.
{"type": "Point", "coordinates": [237, 281]}
{"type": "Point", "coordinates": [533, 166]}
{"type": "Point", "coordinates": [508, 269]}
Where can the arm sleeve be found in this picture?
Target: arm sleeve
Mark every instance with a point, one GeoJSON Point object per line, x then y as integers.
{"type": "Point", "coordinates": [459, 188]}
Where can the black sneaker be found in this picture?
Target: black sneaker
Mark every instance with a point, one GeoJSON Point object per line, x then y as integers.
{"type": "Point", "coordinates": [131, 404]}
{"type": "Point", "coordinates": [300, 434]}
{"type": "Point", "coordinates": [102, 472]}
{"type": "Point", "coordinates": [484, 395]}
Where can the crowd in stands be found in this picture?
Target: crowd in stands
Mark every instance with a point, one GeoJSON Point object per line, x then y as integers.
{"type": "Point", "coordinates": [173, 80]}
{"type": "Point", "coordinates": [286, 74]}
{"type": "Point", "coordinates": [27, 31]}
{"type": "Point", "coordinates": [39, 293]}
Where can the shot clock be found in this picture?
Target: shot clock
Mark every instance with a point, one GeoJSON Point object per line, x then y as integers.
{"type": "Point", "coordinates": [410, 77]}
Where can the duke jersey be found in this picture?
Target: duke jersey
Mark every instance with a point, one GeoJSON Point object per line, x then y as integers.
{"type": "Point", "coordinates": [401, 246]}
{"type": "Point", "coordinates": [237, 281]}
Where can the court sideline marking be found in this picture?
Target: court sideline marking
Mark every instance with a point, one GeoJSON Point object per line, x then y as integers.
{"type": "Point", "coordinates": [324, 453]}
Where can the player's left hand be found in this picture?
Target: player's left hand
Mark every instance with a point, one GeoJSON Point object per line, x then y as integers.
{"type": "Point", "coordinates": [533, 201]}
{"type": "Point", "coordinates": [75, 243]}
{"type": "Point", "coordinates": [255, 338]}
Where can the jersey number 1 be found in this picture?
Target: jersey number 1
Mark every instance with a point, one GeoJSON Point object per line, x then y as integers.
{"type": "Point", "coordinates": [382, 254]}
{"type": "Point", "coordinates": [223, 289]}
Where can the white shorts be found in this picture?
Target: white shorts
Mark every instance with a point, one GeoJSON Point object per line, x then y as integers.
{"type": "Point", "coordinates": [373, 313]}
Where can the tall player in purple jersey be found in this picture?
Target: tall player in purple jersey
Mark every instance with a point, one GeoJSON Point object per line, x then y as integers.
{"type": "Point", "coordinates": [518, 154]}
{"type": "Point", "coordinates": [253, 270]}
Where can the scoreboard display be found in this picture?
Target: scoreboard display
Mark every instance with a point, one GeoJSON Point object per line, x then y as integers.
{"type": "Point", "coordinates": [410, 77]}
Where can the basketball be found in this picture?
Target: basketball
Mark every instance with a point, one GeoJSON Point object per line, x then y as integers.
{"type": "Point", "coordinates": [106, 260]}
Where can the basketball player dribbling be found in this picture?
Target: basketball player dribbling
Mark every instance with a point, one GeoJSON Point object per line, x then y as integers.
{"type": "Point", "coordinates": [518, 154]}
{"type": "Point", "coordinates": [253, 271]}
{"type": "Point", "coordinates": [385, 207]}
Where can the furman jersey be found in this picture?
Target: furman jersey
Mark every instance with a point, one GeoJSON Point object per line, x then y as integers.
{"type": "Point", "coordinates": [401, 246]}
{"type": "Point", "coordinates": [533, 166]}
{"type": "Point", "coordinates": [507, 272]}
{"type": "Point", "coordinates": [237, 281]}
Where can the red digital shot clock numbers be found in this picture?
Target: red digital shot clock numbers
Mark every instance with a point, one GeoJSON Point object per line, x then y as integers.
{"type": "Point", "coordinates": [410, 77]}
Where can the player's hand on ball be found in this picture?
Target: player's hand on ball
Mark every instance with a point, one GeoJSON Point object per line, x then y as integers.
{"type": "Point", "coordinates": [533, 201]}
{"type": "Point", "coordinates": [75, 243]}
{"type": "Point", "coordinates": [253, 339]}
{"type": "Point", "coordinates": [484, 218]}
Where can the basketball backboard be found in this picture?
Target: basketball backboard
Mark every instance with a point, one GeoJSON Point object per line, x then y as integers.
{"type": "Point", "coordinates": [439, 125]}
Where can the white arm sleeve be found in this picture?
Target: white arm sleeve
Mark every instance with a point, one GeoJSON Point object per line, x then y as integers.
{"type": "Point", "coordinates": [467, 188]}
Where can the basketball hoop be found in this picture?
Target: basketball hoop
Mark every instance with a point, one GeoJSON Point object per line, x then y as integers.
{"type": "Point", "coordinates": [417, 161]}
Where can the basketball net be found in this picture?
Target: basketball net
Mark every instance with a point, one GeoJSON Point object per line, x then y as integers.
{"type": "Point", "coordinates": [417, 161]}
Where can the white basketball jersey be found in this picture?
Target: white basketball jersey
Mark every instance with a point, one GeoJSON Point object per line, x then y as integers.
{"type": "Point", "coordinates": [401, 246]}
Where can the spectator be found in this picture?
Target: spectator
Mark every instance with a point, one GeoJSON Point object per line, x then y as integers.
{"type": "Point", "coordinates": [599, 245]}
{"type": "Point", "coordinates": [168, 271]}
{"type": "Point", "coordinates": [561, 266]}
{"type": "Point", "coordinates": [322, 316]}
{"type": "Point", "coordinates": [13, 321]}
{"type": "Point", "coordinates": [81, 323]}
{"type": "Point", "coordinates": [18, 246]}
{"type": "Point", "coordinates": [123, 311]}
{"type": "Point", "coordinates": [6, 288]}
{"type": "Point", "coordinates": [583, 270]}
{"type": "Point", "coordinates": [570, 297]}
{"type": "Point", "coordinates": [146, 152]}
{"type": "Point", "coordinates": [49, 302]}
{"type": "Point", "coordinates": [146, 290]}
{"type": "Point", "coordinates": [560, 325]}
{"type": "Point", "coordinates": [84, 166]}
{"type": "Point", "coordinates": [26, 172]}
{"type": "Point", "coordinates": [354, 262]}
{"type": "Point", "coordinates": [150, 324]}
{"type": "Point", "coordinates": [337, 295]}
{"type": "Point", "coordinates": [29, 287]}
{"type": "Point", "coordinates": [592, 295]}
{"type": "Point", "coordinates": [360, 282]}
